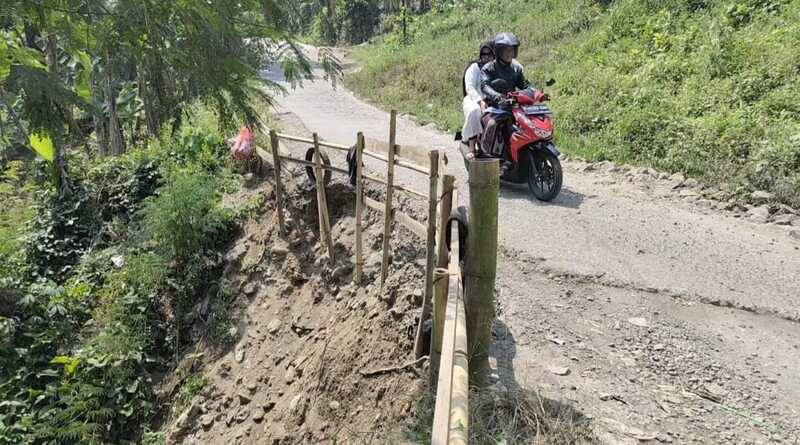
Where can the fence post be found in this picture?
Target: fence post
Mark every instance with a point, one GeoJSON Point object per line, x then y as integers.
{"type": "Point", "coordinates": [388, 215]}
{"type": "Point", "coordinates": [322, 201]}
{"type": "Point", "coordinates": [430, 262]}
{"type": "Point", "coordinates": [359, 208]}
{"type": "Point", "coordinates": [273, 138]}
{"type": "Point", "coordinates": [445, 208]}
{"type": "Point", "coordinates": [481, 262]}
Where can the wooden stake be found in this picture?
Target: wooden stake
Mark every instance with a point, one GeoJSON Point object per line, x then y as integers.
{"type": "Point", "coordinates": [322, 201]}
{"type": "Point", "coordinates": [387, 215]}
{"type": "Point", "coordinates": [359, 208]}
{"type": "Point", "coordinates": [481, 262]}
{"type": "Point", "coordinates": [441, 284]}
{"type": "Point", "coordinates": [430, 251]}
{"type": "Point", "coordinates": [445, 208]}
{"type": "Point", "coordinates": [273, 137]}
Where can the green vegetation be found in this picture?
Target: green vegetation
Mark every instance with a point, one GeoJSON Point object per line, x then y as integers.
{"type": "Point", "coordinates": [706, 87]}
{"type": "Point", "coordinates": [113, 163]}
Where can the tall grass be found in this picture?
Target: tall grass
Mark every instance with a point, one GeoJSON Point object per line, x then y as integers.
{"type": "Point", "coordinates": [706, 87]}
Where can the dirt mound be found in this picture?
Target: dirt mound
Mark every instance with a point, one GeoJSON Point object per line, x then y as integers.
{"type": "Point", "coordinates": [310, 339]}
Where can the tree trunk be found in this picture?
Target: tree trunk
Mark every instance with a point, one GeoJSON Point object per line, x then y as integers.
{"type": "Point", "coordinates": [60, 172]}
{"type": "Point", "coordinates": [116, 143]}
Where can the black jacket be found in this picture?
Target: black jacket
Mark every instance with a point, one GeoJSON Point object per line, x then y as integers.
{"type": "Point", "coordinates": [510, 72]}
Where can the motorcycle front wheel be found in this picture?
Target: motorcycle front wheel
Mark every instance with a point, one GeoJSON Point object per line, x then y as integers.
{"type": "Point", "coordinates": [544, 174]}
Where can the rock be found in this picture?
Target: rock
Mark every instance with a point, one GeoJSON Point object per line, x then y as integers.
{"type": "Point", "coordinates": [258, 415]}
{"type": "Point", "coordinates": [677, 179]}
{"type": "Point", "coordinates": [688, 193]}
{"type": "Point", "coordinates": [279, 250]}
{"type": "Point", "coordinates": [249, 289]}
{"type": "Point", "coordinates": [556, 340]}
{"type": "Point", "coordinates": [267, 407]}
{"type": "Point", "coordinates": [236, 252]}
{"type": "Point", "coordinates": [795, 234]}
{"type": "Point", "coordinates": [252, 387]}
{"type": "Point", "coordinates": [759, 214]}
{"type": "Point", "coordinates": [761, 197]}
{"type": "Point", "coordinates": [691, 182]}
{"type": "Point", "coordinates": [274, 326]}
{"type": "Point", "coordinates": [290, 375]}
{"type": "Point", "coordinates": [334, 405]}
{"type": "Point", "coordinates": [118, 261]}
{"type": "Point", "coordinates": [233, 331]}
{"type": "Point", "coordinates": [342, 271]}
{"type": "Point", "coordinates": [244, 399]}
{"type": "Point", "coordinates": [639, 321]}
{"type": "Point", "coordinates": [784, 220]}
{"type": "Point", "coordinates": [207, 421]}
{"type": "Point", "coordinates": [242, 415]}
{"type": "Point", "coordinates": [297, 409]}
{"type": "Point", "coordinates": [375, 260]}
{"type": "Point", "coordinates": [239, 355]}
{"type": "Point", "coordinates": [658, 347]}
{"type": "Point", "coordinates": [559, 370]}
{"type": "Point", "coordinates": [663, 176]}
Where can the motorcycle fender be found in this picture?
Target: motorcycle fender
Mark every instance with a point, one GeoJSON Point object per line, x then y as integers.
{"type": "Point", "coordinates": [552, 149]}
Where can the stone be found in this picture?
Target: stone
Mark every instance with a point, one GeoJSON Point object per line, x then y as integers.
{"type": "Point", "coordinates": [206, 421]}
{"type": "Point", "coordinates": [759, 214]}
{"type": "Point", "coordinates": [249, 289]}
{"type": "Point", "coordinates": [290, 375]}
{"type": "Point", "coordinates": [279, 250]}
{"type": "Point", "coordinates": [257, 415]}
{"type": "Point", "coordinates": [244, 399]}
{"type": "Point", "coordinates": [639, 321]}
{"type": "Point", "coordinates": [560, 370]}
{"type": "Point", "coordinates": [678, 178]}
{"type": "Point", "coordinates": [267, 407]}
{"type": "Point", "coordinates": [691, 182]}
{"type": "Point", "coordinates": [784, 220]}
{"type": "Point", "coordinates": [795, 234]}
{"type": "Point", "coordinates": [342, 271]}
{"type": "Point", "coordinates": [334, 405]}
{"type": "Point", "coordinates": [239, 355]}
{"type": "Point", "coordinates": [761, 197]}
{"type": "Point", "coordinates": [688, 193]}
{"type": "Point", "coordinates": [274, 326]}
{"type": "Point", "coordinates": [658, 347]}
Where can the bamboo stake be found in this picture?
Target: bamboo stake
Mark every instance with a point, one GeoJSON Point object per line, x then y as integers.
{"type": "Point", "coordinates": [459, 394]}
{"type": "Point", "coordinates": [387, 215]}
{"type": "Point", "coordinates": [445, 208]}
{"type": "Point", "coordinates": [322, 201]}
{"type": "Point", "coordinates": [430, 260]}
{"type": "Point", "coordinates": [440, 286]}
{"type": "Point", "coordinates": [481, 262]}
{"type": "Point", "coordinates": [359, 208]}
{"type": "Point", "coordinates": [273, 137]}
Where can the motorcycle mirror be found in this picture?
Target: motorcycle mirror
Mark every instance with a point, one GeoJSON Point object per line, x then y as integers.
{"type": "Point", "coordinates": [550, 82]}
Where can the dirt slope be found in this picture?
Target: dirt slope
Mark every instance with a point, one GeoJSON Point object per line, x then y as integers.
{"type": "Point", "coordinates": [717, 286]}
{"type": "Point", "coordinates": [307, 366]}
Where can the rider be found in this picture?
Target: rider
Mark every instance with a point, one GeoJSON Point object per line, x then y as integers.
{"type": "Point", "coordinates": [473, 97]}
{"type": "Point", "coordinates": [503, 67]}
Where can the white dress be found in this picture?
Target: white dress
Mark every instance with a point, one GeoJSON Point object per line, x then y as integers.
{"type": "Point", "coordinates": [471, 103]}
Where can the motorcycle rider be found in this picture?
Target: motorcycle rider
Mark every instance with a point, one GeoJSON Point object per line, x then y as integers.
{"type": "Point", "coordinates": [503, 67]}
{"type": "Point", "coordinates": [473, 103]}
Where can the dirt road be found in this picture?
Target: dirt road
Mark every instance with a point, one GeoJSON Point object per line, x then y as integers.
{"type": "Point", "coordinates": [675, 318]}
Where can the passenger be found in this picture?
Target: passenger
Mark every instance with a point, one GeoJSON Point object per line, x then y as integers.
{"type": "Point", "coordinates": [473, 104]}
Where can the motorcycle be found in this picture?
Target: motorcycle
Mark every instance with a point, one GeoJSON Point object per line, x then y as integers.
{"type": "Point", "coordinates": [532, 156]}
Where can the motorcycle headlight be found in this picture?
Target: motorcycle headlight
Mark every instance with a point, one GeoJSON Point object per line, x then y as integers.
{"type": "Point", "coordinates": [542, 133]}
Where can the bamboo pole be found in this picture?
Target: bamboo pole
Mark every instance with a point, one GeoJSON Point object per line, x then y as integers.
{"type": "Point", "coordinates": [441, 284]}
{"type": "Point", "coordinates": [459, 394]}
{"type": "Point", "coordinates": [481, 262]}
{"type": "Point", "coordinates": [445, 208]}
{"type": "Point", "coordinates": [430, 260]}
{"type": "Point", "coordinates": [387, 220]}
{"type": "Point", "coordinates": [273, 137]}
{"type": "Point", "coordinates": [359, 208]}
{"type": "Point", "coordinates": [322, 202]}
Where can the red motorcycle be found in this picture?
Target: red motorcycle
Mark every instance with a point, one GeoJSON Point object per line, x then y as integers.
{"type": "Point", "coordinates": [532, 157]}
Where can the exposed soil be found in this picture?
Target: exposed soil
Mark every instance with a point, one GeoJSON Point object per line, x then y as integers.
{"type": "Point", "coordinates": [307, 366]}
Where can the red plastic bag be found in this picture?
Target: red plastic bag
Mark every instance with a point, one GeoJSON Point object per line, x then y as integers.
{"type": "Point", "coordinates": [242, 145]}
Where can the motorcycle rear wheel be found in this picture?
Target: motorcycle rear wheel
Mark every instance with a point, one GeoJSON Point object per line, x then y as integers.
{"type": "Point", "coordinates": [545, 175]}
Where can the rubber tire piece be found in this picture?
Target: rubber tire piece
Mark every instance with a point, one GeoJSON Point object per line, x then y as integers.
{"type": "Point", "coordinates": [326, 177]}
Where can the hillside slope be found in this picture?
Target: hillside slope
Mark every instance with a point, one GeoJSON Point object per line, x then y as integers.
{"type": "Point", "coordinates": [707, 87]}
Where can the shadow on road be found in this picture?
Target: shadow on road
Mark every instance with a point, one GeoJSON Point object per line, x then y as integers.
{"type": "Point", "coordinates": [519, 192]}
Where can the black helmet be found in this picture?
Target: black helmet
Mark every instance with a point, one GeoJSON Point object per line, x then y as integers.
{"type": "Point", "coordinates": [505, 40]}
